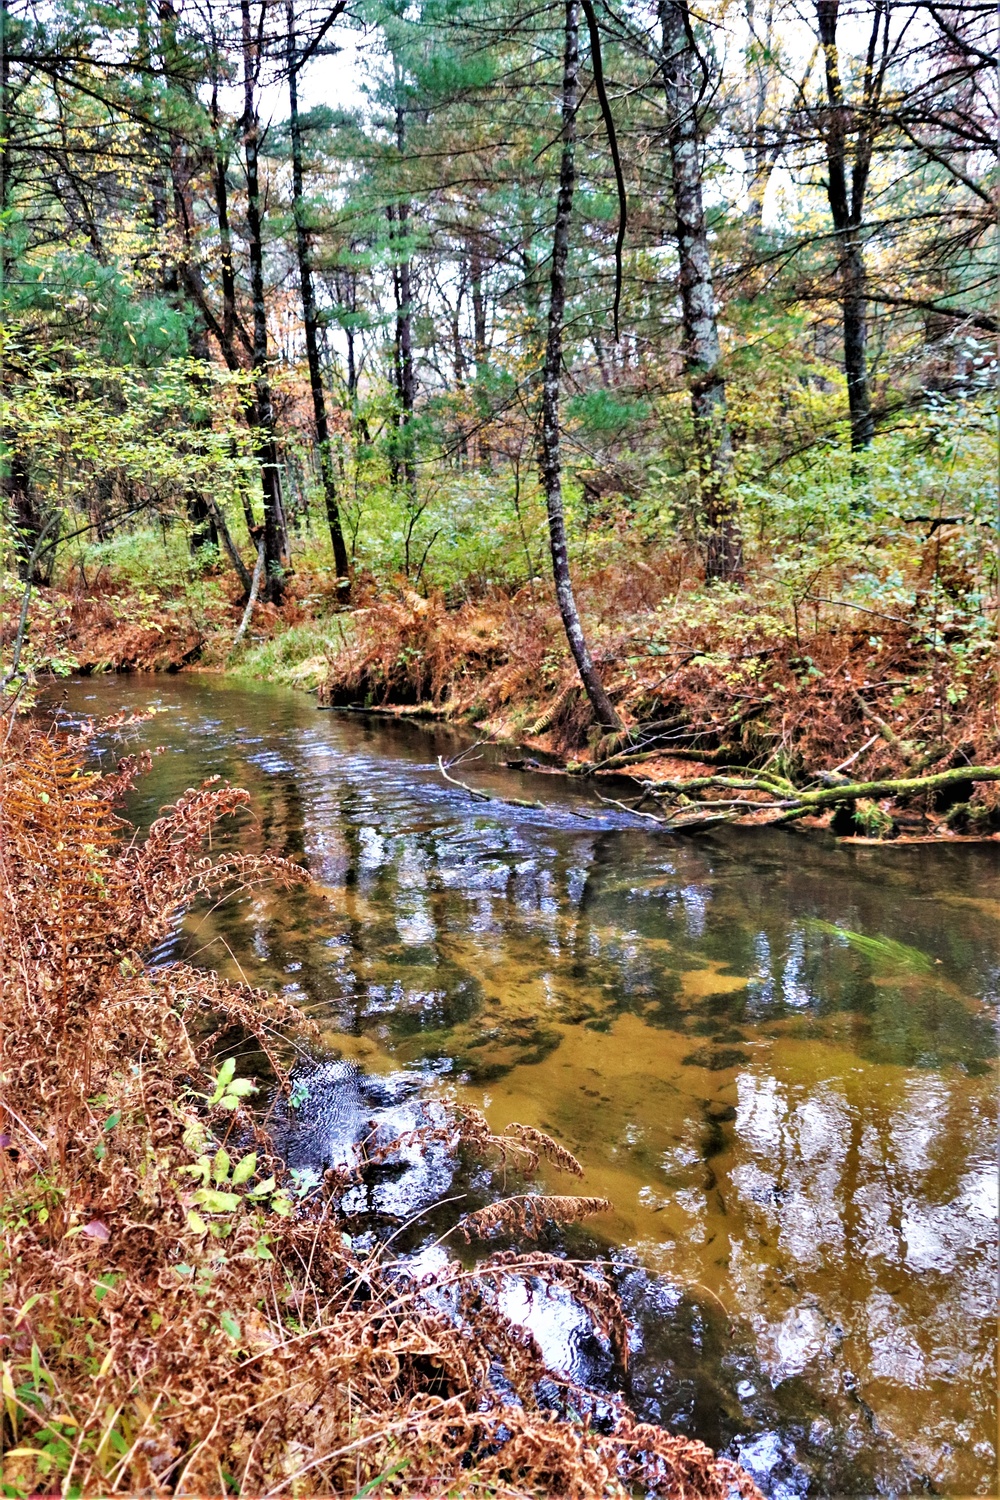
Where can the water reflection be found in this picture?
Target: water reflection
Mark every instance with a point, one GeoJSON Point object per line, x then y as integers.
{"type": "Point", "coordinates": [776, 1058]}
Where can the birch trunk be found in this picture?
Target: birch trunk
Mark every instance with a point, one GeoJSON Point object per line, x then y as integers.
{"type": "Point", "coordinates": [702, 355]}
{"type": "Point", "coordinates": [551, 460]}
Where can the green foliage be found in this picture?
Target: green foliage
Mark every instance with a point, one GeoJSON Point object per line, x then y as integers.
{"type": "Point", "coordinates": [601, 411]}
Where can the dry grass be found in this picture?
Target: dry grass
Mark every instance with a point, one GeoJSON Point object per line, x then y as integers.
{"type": "Point", "coordinates": [172, 1324]}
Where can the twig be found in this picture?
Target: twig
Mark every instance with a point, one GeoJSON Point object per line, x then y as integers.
{"type": "Point", "coordinates": [478, 796]}
{"type": "Point", "coordinates": [633, 811]}
{"type": "Point", "coordinates": [856, 756]}
{"type": "Point", "coordinates": [846, 604]}
{"type": "Point", "coordinates": [443, 767]}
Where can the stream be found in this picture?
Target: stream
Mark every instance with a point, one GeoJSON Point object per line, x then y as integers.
{"type": "Point", "coordinates": [775, 1055]}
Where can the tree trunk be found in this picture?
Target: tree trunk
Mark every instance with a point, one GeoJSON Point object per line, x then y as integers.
{"type": "Point", "coordinates": [551, 461]}
{"type": "Point", "coordinates": [27, 523]}
{"type": "Point", "coordinates": [184, 277]}
{"type": "Point", "coordinates": [702, 356]}
{"type": "Point", "coordinates": [310, 319]}
{"type": "Point", "coordinates": [478, 302]}
{"type": "Point", "coordinates": [274, 550]}
{"type": "Point", "coordinates": [403, 283]}
{"type": "Point", "coordinates": [845, 210]}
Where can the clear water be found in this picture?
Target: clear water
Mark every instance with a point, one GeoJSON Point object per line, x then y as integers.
{"type": "Point", "coordinates": [776, 1056]}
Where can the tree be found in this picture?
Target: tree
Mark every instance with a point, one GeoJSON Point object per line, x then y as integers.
{"type": "Point", "coordinates": [702, 352]}
{"type": "Point", "coordinates": [551, 460]}
{"type": "Point", "coordinates": [310, 311]}
{"type": "Point", "coordinates": [847, 201]}
{"type": "Point", "coordinates": [275, 548]}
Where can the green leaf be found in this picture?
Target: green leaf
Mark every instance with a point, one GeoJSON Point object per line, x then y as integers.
{"type": "Point", "coordinates": [224, 1078]}
{"type": "Point", "coordinates": [112, 1120]}
{"type": "Point", "coordinates": [282, 1204]}
{"type": "Point", "coordinates": [241, 1087]}
{"type": "Point", "coordinates": [261, 1251]}
{"type": "Point", "coordinates": [196, 1223]}
{"type": "Point", "coordinates": [216, 1202]}
{"type": "Point", "coordinates": [245, 1169]}
{"type": "Point", "coordinates": [230, 1325]}
{"type": "Point", "coordinates": [220, 1167]}
{"type": "Point", "coordinates": [373, 1484]}
{"type": "Point", "coordinates": [104, 1284]}
{"type": "Point", "coordinates": [263, 1188]}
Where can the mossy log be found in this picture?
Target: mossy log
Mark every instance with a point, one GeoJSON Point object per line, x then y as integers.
{"type": "Point", "coordinates": [786, 802]}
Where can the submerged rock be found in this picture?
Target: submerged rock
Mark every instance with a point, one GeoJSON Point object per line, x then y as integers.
{"type": "Point", "coordinates": [336, 1116]}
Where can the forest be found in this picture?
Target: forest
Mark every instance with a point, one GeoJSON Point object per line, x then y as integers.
{"type": "Point", "coordinates": [609, 388]}
{"type": "Point", "coordinates": [622, 382]}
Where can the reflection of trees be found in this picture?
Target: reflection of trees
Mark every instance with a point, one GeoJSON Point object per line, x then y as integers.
{"type": "Point", "coordinates": [878, 1259]}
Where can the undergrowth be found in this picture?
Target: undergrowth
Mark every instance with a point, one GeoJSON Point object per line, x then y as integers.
{"type": "Point", "coordinates": [175, 1319]}
{"type": "Point", "coordinates": [711, 676]}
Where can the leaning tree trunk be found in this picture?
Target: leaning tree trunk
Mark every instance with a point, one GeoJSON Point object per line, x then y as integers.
{"type": "Point", "coordinates": [310, 318]}
{"type": "Point", "coordinates": [845, 210]}
{"type": "Point", "coordinates": [267, 453]}
{"type": "Point", "coordinates": [702, 355]}
{"type": "Point", "coordinates": [551, 462]}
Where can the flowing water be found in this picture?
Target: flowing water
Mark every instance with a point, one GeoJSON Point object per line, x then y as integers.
{"type": "Point", "coordinates": [775, 1055]}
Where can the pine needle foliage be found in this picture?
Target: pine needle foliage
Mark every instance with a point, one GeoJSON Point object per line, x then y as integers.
{"type": "Point", "coordinates": [171, 1323]}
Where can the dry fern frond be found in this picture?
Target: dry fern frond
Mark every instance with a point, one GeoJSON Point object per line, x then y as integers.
{"type": "Point", "coordinates": [528, 1215]}
{"type": "Point", "coordinates": [473, 1130]}
{"type": "Point", "coordinates": [590, 1291]}
{"type": "Point", "coordinates": [521, 1141]}
{"type": "Point", "coordinates": [544, 1145]}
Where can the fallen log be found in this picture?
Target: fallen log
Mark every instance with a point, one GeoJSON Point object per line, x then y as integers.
{"type": "Point", "coordinates": [787, 802]}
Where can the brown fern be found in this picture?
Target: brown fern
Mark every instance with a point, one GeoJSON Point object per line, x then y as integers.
{"type": "Point", "coordinates": [544, 1145]}
{"type": "Point", "coordinates": [528, 1215]}
{"type": "Point", "coordinates": [522, 1142]}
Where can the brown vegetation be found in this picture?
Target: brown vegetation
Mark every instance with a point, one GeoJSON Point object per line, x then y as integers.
{"type": "Point", "coordinates": [702, 683]}
{"type": "Point", "coordinates": [171, 1322]}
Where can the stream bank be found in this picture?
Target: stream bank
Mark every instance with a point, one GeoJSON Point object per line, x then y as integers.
{"type": "Point", "coordinates": [707, 682]}
{"type": "Point", "coordinates": [780, 1070]}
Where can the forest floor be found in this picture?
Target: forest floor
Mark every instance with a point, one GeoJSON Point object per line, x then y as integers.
{"type": "Point", "coordinates": [709, 682]}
